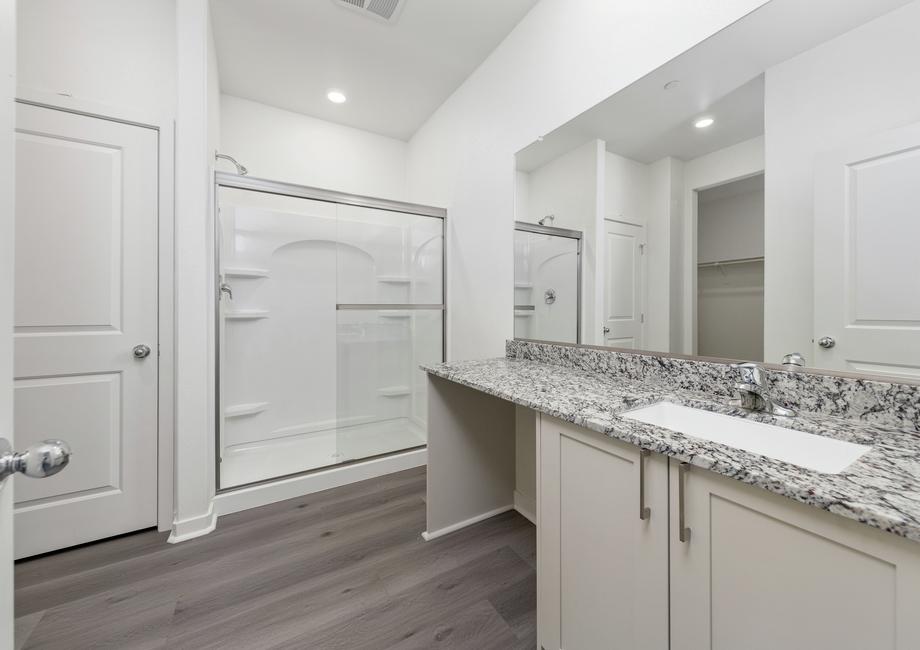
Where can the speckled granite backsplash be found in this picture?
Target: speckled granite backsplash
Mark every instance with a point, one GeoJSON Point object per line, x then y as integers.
{"type": "Point", "coordinates": [873, 402]}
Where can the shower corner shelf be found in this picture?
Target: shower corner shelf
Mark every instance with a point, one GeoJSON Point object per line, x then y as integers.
{"type": "Point", "coordinates": [394, 391]}
{"type": "Point", "coordinates": [394, 279]}
{"type": "Point", "coordinates": [240, 410]}
{"type": "Point", "coordinates": [243, 272]}
{"type": "Point", "coordinates": [246, 314]}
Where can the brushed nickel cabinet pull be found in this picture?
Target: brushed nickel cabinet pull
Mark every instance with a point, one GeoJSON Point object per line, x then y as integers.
{"type": "Point", "coordinates": [683, 532]}
{"type": "Point", "coordinates": [644, 511]}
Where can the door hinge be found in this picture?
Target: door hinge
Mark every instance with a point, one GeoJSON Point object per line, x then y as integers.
{"type": "Point", "coordinates": [641, 249]}
{"type": "Point", "coordinates": [641, 318]}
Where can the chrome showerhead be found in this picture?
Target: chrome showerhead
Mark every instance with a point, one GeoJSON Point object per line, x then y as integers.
{"type": "Point", "coordinates": [242, 171]}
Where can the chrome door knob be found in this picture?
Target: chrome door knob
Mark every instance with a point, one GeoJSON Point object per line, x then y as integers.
{"type": "Point", "coordinates": [606, 330]}
{"type": "Point", "coordinates": [826, 342]}
{"type": "Point", "coordinates": [141, 351]}
{"type": "Point", "coordinates": [38, 461]}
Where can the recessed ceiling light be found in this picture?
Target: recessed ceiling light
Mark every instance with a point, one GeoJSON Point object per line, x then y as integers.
{"type": "Point", "coordinates": [704, 122]}
{"type": "Point", "coordinates": [671, 85]}
{"type": "Point", "coordinates": [336, 96]}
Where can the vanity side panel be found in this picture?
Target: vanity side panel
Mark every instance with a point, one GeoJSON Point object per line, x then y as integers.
{"type": "Point", "coordinates": [470, 456]}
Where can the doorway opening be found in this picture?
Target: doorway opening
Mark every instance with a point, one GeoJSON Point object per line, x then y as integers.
{"type": "Point", "coordinates": [730, 270]}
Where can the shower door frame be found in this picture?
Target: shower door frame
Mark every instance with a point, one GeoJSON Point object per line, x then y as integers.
{"type": "Point", "coordinates": [553, 231]}
{"type": "Point", "coordinates": [267, 186]}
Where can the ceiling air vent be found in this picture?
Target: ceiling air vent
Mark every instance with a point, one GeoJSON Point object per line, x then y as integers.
{"type": "Point", "coordinates": [386, 10]}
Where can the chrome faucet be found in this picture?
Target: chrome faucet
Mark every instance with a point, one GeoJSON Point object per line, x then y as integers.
{"type": "Point", "coordinates": [751, 390]}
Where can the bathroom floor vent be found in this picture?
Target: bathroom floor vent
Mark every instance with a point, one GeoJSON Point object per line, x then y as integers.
{"type": "Point", "coordinates": [386, 10]}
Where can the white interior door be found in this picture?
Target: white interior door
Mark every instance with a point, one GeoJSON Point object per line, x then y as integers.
{"type": "Point", "coordinates": [85, 296]}
{"type": "Point", "coordinates": [7, 167]}
{"type": "Point", "coordinates": [867, 270]}
{"type": "Point", "coordinates": [623, 290]}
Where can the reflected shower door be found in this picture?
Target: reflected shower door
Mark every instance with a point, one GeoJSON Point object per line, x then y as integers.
{"type": "Point", "coordinates": [546, 284]}
{"type": "Point", "coordinates": [390, 320]}
{"type": "Point", "coordinates": [325, 313]}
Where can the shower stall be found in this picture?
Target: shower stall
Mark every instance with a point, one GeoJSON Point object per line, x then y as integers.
{"type": "Point", "coordinates": [547, 283]}
{"type": "Point", "coordinates": [328, 304]}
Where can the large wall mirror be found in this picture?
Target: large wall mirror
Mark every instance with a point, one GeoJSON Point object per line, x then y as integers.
{"type": "Point", "coordinates": [755, 198]}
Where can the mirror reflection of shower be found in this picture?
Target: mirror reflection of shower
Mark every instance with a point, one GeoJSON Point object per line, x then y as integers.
{"type": "Point", "coordinates": [547, 282]}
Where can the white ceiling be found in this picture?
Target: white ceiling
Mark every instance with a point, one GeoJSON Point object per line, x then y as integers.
{"type": "Point", "coordinates": [721, 77]}
{"type": "Point", "coordinates": [289, 53]}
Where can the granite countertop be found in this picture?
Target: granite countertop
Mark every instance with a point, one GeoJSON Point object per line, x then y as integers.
{"type": "Point", "coordinates": [881, 489]}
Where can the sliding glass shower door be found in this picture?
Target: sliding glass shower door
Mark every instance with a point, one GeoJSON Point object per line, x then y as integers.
{"type": "Point", "coordinates": [547, 283]}
{"type": "Point", "coordinates": [327, 309]}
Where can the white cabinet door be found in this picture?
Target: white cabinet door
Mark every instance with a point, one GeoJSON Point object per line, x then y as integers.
{"type": "Point", "coordinates": [85, 296]}
{"type": "Point", "coordinates": [623, 284]}
{"type": "Point", "coordinates": [602, 571]}
{"type": "Point", "coordinates": [761, 572]}
{"type": "Point", "coordinates": [867, 271]}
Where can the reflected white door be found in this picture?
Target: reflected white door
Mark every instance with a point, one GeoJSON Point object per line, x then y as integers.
{"type": "Point", "coordinates": [7, 166]}
{"type": "Point", "coordinates": [85, 296]}
{"type": "Point", "coordinates": [623, 297]}
{"type": "Point", "coordinates": [867, 267]}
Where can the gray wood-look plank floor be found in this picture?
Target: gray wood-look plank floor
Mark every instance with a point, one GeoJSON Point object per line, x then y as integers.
{"type": "Point", "coordinates": [341, 569]}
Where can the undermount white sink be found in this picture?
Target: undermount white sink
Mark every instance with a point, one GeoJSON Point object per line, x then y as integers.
{"type": "Point", "coordinates": [825, 455]}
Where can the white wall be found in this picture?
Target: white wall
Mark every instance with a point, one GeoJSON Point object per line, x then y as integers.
{"type": "Point", "coordinates": [627, 186]}
{"type": "Point", "coordinates": [213, 95]}
{"type": "Point", "coordinates": [284, 146]}
{"type": "Point", "coordinates": [858, 84]}
{"type": "Point", "coordinates": [662, 318]}
{"type": "Point", "coordinates": [730, 311]}
{"type": "Point", "coordinates": [561, 59]}
{"type": "Point", "coordinates": [731, 227]}
{"type": "Point", "coordinates": [568, 188]}
{"type": "Point", "coordinates": [110, 52]}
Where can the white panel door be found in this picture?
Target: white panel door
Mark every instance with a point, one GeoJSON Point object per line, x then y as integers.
{"type": "Point", "coordinates": [7, 166]}
{"type": "Point", "coordinates": [85, 296]}
{"type": "Point", "coordinates": [623, 285]}
{"type": "Point", "coordinates": [867, 270]}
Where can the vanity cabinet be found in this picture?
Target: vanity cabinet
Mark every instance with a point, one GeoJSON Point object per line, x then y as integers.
{"type": "Point", "coordinates": [752, 570]}
{"type": "Point", "coordinates": [602, 549]}
{"type": "Point", "coordinates": [760, 572]}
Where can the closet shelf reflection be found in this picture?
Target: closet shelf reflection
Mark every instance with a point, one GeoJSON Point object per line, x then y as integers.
{"type": "Point", "coordinates": [744, 260]}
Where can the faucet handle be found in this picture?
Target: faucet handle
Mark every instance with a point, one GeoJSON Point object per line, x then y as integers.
{"type": "Point", "coordinates": [751, 373]}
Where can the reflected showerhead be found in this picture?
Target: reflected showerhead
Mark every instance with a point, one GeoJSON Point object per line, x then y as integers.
{"type": "Point", "coordinates": [549, 217]}
{"type": "Point", "coordinates": [242, 171]}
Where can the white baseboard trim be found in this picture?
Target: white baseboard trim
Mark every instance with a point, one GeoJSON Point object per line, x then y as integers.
{"type": "Point", "coordinates": [428, 536]}
{"type": "Point", "coordinates": [527, 506]}
{"type": "Point", "coordinates": [187, 529]}
{"type": "Point", "coordinates": [296, 486]}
